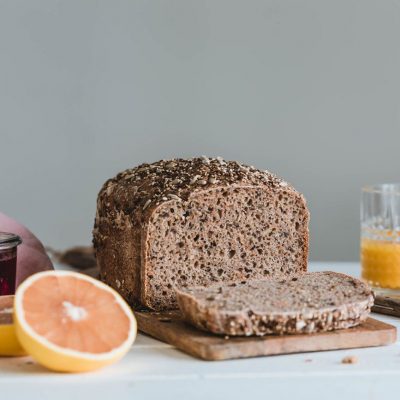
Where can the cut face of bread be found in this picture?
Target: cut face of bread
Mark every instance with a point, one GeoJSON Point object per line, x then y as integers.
{"type": "Point", "coordinates": [312, 302]}
{"type": "Point", "coordinates": [180, 222]}
{"type": "Point", "coordinates": [222, 234]}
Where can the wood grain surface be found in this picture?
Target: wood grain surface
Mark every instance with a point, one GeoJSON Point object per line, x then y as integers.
{"type": "Point", "coordinates": [387, 305]}
{"type": "Point", "coordinates": [170, 328]}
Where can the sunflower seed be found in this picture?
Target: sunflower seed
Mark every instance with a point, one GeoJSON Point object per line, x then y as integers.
{"type": "Point", "coordinates": [146, 204]}
{"type": "Point", "coordinates": [109, 189]}
{"type": "Point", "coordinates": [194, 179]}
{"type": "Point", "coordinates": [174, 196]}
{"type": "Point", "coordinates": [220, 160]}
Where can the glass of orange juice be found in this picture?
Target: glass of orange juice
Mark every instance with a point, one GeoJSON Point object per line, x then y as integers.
{"type": "Point", "coordinates": [380, 237]}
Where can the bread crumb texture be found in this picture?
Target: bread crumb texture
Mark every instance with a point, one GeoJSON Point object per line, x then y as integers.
{"type": "Point", "coordinates": [198, 221]}
{"type": "Point", "coordinates": [309, 303]}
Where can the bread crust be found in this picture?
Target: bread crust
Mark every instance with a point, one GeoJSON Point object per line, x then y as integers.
{"type": "Point", "coordinates": [127, 205]}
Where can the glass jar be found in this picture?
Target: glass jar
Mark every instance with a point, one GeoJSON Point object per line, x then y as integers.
{"type": "Point", "coordinates": [380, 237]}
{"type": "Point", "coordinates": [8, 262]}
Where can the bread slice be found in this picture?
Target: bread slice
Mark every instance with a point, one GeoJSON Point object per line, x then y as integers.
{"type": "Point", "coordinates": [177, 223]}
{"type": "Point", "coordinates": [311, 302]}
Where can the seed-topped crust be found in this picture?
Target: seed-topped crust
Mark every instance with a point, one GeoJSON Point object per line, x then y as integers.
{"type": "Point", "coordinates": [191, 202]}
{"type": "Point", "coordinates": [144, 187]}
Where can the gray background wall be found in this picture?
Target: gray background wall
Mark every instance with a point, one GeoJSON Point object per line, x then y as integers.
{"type": "Point", "coordinates": [308, 89]}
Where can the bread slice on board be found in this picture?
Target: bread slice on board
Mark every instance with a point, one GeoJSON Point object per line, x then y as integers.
{"type": "Point", "coordinates": [177, 223]}
{"type": "Point", "coordinates": [312, 302]}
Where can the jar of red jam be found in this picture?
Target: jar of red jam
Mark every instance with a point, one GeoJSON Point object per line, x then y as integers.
{"type": "Point", "coordinates": [8, 262]}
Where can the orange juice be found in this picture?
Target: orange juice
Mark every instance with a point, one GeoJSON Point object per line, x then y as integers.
{"type": "Point", "coordinates": [380, 263]}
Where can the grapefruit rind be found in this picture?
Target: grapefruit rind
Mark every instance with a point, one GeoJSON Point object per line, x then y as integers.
{"type": "Point", "coordinates": [62, 359]}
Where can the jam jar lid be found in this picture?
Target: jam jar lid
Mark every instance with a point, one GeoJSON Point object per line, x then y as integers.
{"type": "Point", "coordinates": [9, 240]}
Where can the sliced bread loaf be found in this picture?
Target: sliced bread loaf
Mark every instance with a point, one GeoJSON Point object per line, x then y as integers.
{"type": "Point", "coordinates": [191, 222]}
{"type": "Point", "coordinates": [311, 302]}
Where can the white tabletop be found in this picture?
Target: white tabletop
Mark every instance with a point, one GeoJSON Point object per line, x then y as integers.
{"type": "Point", "coordinates": [155, 370]}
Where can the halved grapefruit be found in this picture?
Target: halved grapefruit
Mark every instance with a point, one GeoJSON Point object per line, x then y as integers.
{"type": "Point", "coordinates": [9, 344]}
{"type": "Point", "coordinates": [72, 323]}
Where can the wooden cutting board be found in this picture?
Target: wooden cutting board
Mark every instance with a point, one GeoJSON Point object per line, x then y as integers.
{"type": "Point", "coordinates": [387, 305]}
{"type": "Point", "coordinates": [170, 328]}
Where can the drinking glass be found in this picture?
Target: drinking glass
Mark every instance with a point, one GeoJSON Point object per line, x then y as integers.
{"type": "Point", "coordinates": [380, 237]}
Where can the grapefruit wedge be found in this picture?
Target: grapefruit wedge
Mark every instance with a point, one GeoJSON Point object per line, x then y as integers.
{"type": "Point", "coordinates": [70, 322]}
{"type": "Point", "coordinates": [9, 344]}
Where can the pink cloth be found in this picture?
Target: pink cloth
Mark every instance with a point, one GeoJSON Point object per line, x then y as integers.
{"type": "Point", "coordinates": [31, 256]}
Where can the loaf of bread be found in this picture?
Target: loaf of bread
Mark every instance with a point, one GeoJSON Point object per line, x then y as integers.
{"type": "Point", "coordinates": [312, 302]}
{"type": "Point", "coordinates": [199, 221]}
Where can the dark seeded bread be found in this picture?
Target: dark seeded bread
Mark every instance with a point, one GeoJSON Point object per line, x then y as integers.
{"type": "Point", "coordinates": [196, 222]}
{"type": "Point", "coordinates": [311, 302]}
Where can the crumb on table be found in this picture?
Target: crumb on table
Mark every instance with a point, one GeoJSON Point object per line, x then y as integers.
{"type": "Point", "coordinates": [350, 360]}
